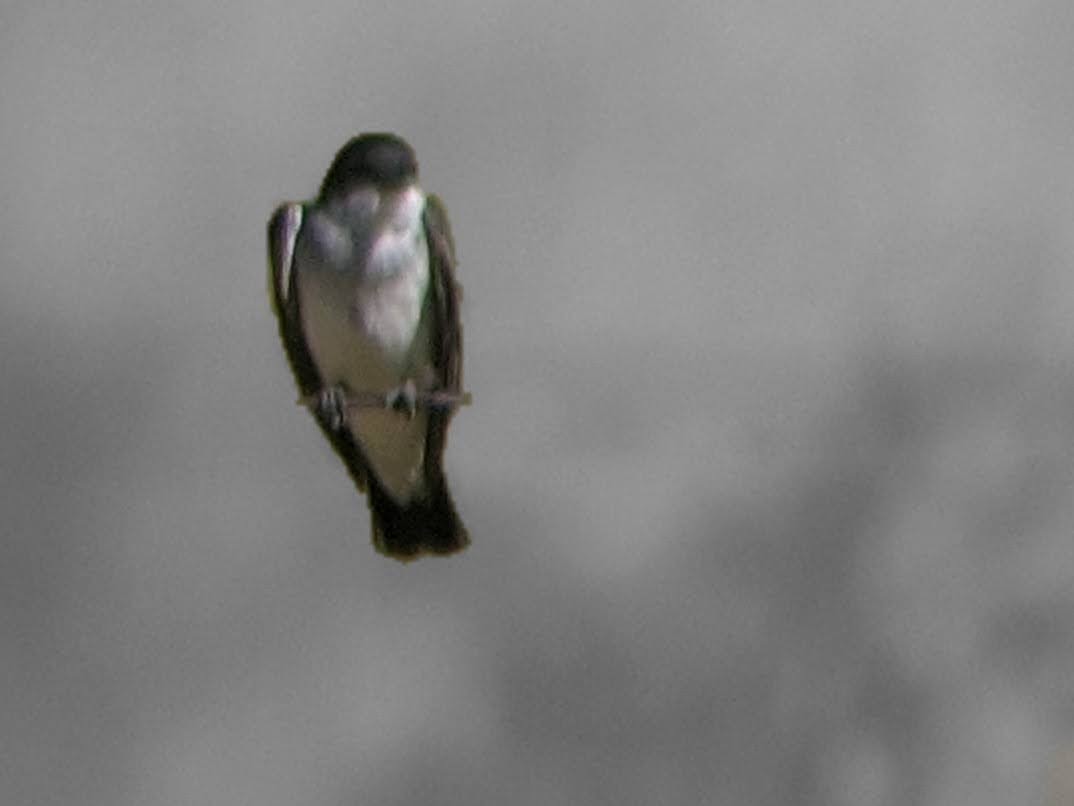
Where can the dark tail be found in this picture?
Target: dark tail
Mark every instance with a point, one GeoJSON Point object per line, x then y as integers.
{"type": "Point", "coordinates": [424, 526]}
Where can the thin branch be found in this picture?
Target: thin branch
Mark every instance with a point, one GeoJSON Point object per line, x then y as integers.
{"type": "Point", "coordinates": [438, 399]}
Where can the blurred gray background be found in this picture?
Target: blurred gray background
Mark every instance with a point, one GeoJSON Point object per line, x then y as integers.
{"type": "Point", "coordinates": [769, 326]}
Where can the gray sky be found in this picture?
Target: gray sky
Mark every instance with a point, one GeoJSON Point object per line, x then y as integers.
{"type": "Point", "coordinates": [768, 323]}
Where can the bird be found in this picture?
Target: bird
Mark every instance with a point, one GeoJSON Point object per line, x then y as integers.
{"type": "Point", "coordinates": [362, 282]}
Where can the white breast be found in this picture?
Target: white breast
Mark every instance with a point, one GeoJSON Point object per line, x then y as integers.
{"type": "Point", "coordinates": [362, 296]}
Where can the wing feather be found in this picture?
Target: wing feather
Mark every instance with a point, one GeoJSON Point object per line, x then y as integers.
{"type": "Point", "coordinates": [447, 327]}
{"type": "Point", "coordinates": [283, 231]}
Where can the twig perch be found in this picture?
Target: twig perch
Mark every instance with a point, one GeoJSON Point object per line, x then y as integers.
{"type": "Point", "coordinates": [437, 399]}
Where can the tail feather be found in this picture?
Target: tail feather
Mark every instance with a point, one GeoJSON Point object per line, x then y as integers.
{"type": "Point", "coordinates": [428, 525]}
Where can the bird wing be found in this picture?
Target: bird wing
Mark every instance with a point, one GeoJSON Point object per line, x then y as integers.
{"type": "Point", "coordinates": [283, 231]}
{"type": "Point", "coordinates": [447, 328]}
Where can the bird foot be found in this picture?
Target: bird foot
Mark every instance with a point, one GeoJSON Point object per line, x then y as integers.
{"type": "Point", "coordinates": [403, 399]}
{"type": "Point", "coordinates": [331, 407]}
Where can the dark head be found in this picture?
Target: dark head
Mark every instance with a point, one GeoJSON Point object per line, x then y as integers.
{"type": "Point", "coordinates": [377, 158]}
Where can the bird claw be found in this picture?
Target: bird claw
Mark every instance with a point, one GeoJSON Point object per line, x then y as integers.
{"type": "Point", "coordinates": [403, 399]}
{"type": "Point", "coordinates": [331, 407]}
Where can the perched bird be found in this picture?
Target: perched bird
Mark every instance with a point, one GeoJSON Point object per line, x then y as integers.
{"type": "Point", "coordinates": [362, 282]}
